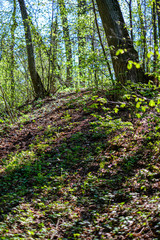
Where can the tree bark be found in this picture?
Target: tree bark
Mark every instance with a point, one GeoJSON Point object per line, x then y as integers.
{"type": "Point", "coordinates": [36, 80]}
{"type": "Point", "coordinates": [100, 39]}
{"type": "Point", "coordinates": [118, 38]}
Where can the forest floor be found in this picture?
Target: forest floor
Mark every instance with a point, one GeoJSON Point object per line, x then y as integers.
{"type": "Point", "coordinates": [81, 166]}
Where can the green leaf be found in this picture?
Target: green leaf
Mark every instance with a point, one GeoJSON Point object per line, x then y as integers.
{"type": "Point", "coordinates": [152, 103]}
{"type": "Point", "coordinates": [76, 235]}
{"type": "Point", "coordinates": [103, 100]}
{"type": "Point", "coordinates": [158, 101]}
{"type": "Point", "coordinates": [94, 97]}
{"type": "Point", "coordinates": [116, 110]}
{"type": "Point", "coordinates": [138, 104]}
{"type": "Point", "coordinates": [158, 110]}
{"type": "Point", "coordinates": [119, 51]}
{"type": "Point", "coordinates": [138, 43]}
{"type": "Point", "coordinates": [149, 54]}
{"type": "Point", "coordinates": [138, 115]}
{"type": "Point", "coordinates": [144, 108]}
{"type": "Point", "coordinates": [127, 96]}
{"type": "Point", "coordinates": [137, 65]}
{"type": "Point", "coordinates": [123, 105]}
{"type": "Point", "coordinates": [129, 66]}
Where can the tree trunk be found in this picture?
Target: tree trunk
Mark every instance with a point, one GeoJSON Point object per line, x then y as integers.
{"type": "Point", "coordinates": [130, 18]}
{"type": "Point", "coordinates": [13, 28]}
{"type": "Point", "coordinates": [36, 80]}
{"type": "Point", "coordinates": [158, 14]}
{"type": "Point", "coordinates": [118, 38]}
{"type": "Point", "coordinates": [53, 71]}
{"type": "Point", "coordinates": [82, 6]}
{"type": "Point", "coordinates": [155, 36]}
{"type": "Point", "coordinates": [100, 39]}
{"type": "Point", "coordinates": [52, 54]}
{"type": "Point", "coordinates": [143, 33]}
{"type": "Point", "coordinates": [67, 41]}
{"type": "Point", "coordinates": [96, 83]}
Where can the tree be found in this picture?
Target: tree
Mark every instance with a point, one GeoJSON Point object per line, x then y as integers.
{"type": "Point", "coordinates": [101, 42]}
{"type": "Point", "coordinates": [158, 13]}
{"type": "Point", "coordinates": [154, 35]}
{"type": "Point", "coordinates": [82, 10]}
{"type": "Point", "coordinates": [121, 46]}
{"type": "Point", "coordinates": [12, 45]}
{"type": "Point", "coordinates": [36, 80]}
{"type": "Point", "coordinates": [67, 40]}
{"type": "Point", "coordinates": [130, 17]}
{"type": "Point", "coordinates": [143, 33]}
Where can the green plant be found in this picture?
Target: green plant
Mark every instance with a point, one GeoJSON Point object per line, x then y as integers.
{"type": "Point", "coordinates": [67, 116]}
{"type": "Point", "coordinates": [109, 124]}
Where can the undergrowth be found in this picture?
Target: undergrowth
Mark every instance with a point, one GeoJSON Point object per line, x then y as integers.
{"type": "Point", "coordinates": [84, 166]}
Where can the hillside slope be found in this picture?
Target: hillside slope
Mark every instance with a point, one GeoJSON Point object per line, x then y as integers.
{"type": "Point", "coordinates": [81, 166]}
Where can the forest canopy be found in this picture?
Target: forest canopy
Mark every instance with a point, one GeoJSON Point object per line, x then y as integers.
{"type": "Point", "coordinates": [48, 46]}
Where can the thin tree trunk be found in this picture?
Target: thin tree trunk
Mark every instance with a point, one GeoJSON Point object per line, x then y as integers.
{"type": "Point", "coordinates": [37, 83]}
{"type": "Point", "coordinates": [130, 18]}
{"type": "Point", "coordinates": [53, 57]}
{"type": "Point", "coordinates": [155, 36]}
{"type": "Point", "coordinates": [50, 52]}
{"type": "Point", "coordinates": [100, 39]}
{"type": "Point", "coordinates": [82, 6]}
{"type": "Point", "coordinates": [13, 28]}
{"type": "Point", "coordinates": [94, 63]}
{"type": "Point", "coordinates": [68, 45]}
{"type": "Point", "coordinates": [143, 32]}
{"type": "Point", "coordinates": [145, 27]}
{"type": "Point", "coordinates": [158, 14]}
{"type": "Point", "coordinates": [7, 107]}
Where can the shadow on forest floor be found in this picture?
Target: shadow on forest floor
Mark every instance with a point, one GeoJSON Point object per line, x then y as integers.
{"type": "Point", "coordinates": [78, 177]}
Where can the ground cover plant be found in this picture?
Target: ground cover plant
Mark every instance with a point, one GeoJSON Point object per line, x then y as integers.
{"type": "Point", "coordinates": [82, 165]}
